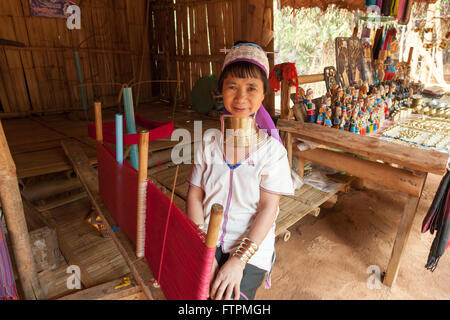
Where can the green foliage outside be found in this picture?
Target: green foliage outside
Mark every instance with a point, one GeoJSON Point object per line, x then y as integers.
{"type": "Point", "coordinates": [306, 36]}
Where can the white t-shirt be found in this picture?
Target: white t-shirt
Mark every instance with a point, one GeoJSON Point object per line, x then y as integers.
{"type": "Point", "coordinates": [237, 189]}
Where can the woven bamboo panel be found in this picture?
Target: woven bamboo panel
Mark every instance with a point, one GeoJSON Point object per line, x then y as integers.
{"type": "Point", "coordinates": [200, 29]}
{"type": "Point", "coordinates": [291, 211]}
{"type": "Point", "coordinates": [41, 76]}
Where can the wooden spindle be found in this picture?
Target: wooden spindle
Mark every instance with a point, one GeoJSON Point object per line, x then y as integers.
{"type": "Point", "coordinates": [215, 221]}
{"type": "Point", "coordinates": [142, 197]}
{"type": "Point", "coordinates": [98, 122]}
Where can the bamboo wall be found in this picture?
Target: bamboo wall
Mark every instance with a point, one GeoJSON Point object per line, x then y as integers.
{"type": "Point", "coordinates": [42, 75]}
{"type": "Point", "coordinates": [187, 37]}
{"type": "Point", "coordinates": [184, 39]}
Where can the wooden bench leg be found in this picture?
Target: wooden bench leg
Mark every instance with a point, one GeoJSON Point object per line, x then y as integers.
{"type": "Point", "coordinates": [300, 167]}
{"type": "Point", "coordinates": [289, 148]}
{"type": "Point", "coordinates": [404, 228]}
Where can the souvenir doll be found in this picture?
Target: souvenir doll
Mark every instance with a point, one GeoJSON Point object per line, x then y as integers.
{"type": "Point", "coordinates": [337, 117]}
{"type": "Point", "coordinates": [339, 97]}
{"type": "Point", "coordinates": [361, 123]}
{"type": "Point", "coordinates": [364, 89]}
{"type": "Point", "coordinates": [343, 120]}
{"type": "Point", "coordinates": [354, 121]}
{"type": "Point", "coordinates": [328, 104]}
{"type": "Point", "coordinates": [320, 116]}
{"type": "Point", "coordinates": [379, 72]}
{"type": "Point", "coordinates": [389, 69]}
{"type": "Point", "coordinates": [348, 115]}
{"type": "Point", "coordinates": [367, 118]}
{"type": "Point", "coordinates": [327, 121]}
{"type": "Point", "coordinates": [310, 108]}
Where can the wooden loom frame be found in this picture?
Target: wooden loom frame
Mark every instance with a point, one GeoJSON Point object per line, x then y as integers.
{"type": "Point", "coordinates": [133, 256]}
{"type": "Point", "coordinates": [408, 176]}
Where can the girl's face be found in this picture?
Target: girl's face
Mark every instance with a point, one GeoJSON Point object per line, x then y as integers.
{"type": "Point", "coordinates": [242, 96]}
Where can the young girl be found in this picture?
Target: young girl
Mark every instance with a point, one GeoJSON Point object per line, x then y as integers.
{"type": "Point", "coordinates": [245, 171]}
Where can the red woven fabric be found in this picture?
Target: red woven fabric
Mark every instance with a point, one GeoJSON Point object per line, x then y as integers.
{"type": "Point", "coordinates": [175, 249]}
{"type": "Point", "coordinates": [118, 189]}
{"type": "Point", "coordinates": [157, 130]}
{"type": "Point", "coordinates": [284, 71]}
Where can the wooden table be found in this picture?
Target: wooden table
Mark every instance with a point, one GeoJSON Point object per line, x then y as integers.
{"type": "Point", "coordinates": [392, 165]}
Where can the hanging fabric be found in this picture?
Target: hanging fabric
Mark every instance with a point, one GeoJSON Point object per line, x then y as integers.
{"type": "Point", "coordinates": [401, 9]}
{"type": "Point", "coordinates": [380, 4]}
{"type": "Point", "coordinates": [394, 8]}
{"type": "Point", "coordinates": [438, 219]}
{"type": "Point", "coordinates": [284, 71]}
{"type": "Point", "coordinates": [386, 8]}
{"type": "Point", "coordinates": [377, 43]}
{"type": "Point", "coordinates": [407, 12]}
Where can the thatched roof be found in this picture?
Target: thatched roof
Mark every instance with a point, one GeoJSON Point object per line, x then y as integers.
{"type": "Point", "coordinates": [351, 5]}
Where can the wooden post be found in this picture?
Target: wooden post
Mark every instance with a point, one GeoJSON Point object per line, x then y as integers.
{"type": "Point", "coordinates": [142, 188]}
{"type": "Point", "coordinates": [98, 122]}
{"type": "Point", "coordinates": [289, 148]}
{"type": "Point", "coordinates": [15, 220]}
{"type": "Point", "coordinates": [404, 228]}
{"type": "Point", "coordinates": [300, 167]}
{"type": "Point", "coordinates": [285, 90]}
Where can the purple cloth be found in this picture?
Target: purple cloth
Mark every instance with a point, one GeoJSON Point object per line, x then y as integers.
{"type": "Point", "coordinates": [380, 4]}
{"type": "Point", "coordinates": [365, 33]}
{"type": "Point", "coordinates": [7, 283]}
{"type": "Point", "coordinates": [264, 121]}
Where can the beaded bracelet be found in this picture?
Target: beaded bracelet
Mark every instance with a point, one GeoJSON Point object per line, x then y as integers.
{"type": "Point", "coordinates": [246, 250]}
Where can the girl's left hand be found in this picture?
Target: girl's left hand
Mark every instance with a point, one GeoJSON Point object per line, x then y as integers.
{"type": "Point", "coordinates": [228, 280]}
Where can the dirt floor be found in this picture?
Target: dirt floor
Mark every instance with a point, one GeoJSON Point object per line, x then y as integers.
{"type": "Point", "coordinates": [328, 257]}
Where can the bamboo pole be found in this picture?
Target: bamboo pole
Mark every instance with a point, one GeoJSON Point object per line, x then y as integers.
{"type": "Point", "coordinates": [98, 122]}
{"type": "Point", "coordinates": [142, 188]}
{"type": "Point", "coordinates": [214, 225]}
{"type": "Point", "coordinates": [15, 220]}
{"type": "Point", "coordinates": [131, 126]}
{"type": "Point", "coordinates": [119, 138]}
{"type": "Point", "coordinates": [84, 101]}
